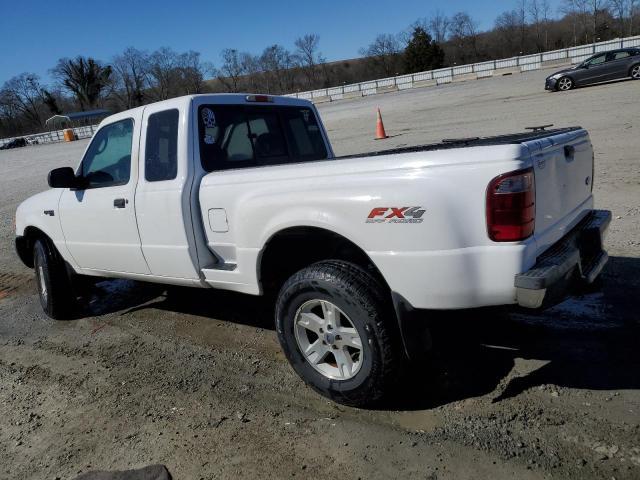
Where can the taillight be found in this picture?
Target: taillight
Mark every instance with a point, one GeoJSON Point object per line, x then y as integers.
{"type": "Point", "coordinates": [259, 98]}
{"type": "Point", "coordinates": [511, 206]}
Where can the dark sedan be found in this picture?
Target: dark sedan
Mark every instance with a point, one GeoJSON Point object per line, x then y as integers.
{"type": "Point", "coordinates": [601, 67]}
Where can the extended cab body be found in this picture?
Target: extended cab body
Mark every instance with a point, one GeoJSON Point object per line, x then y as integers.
{"type": "Point", "coordinates": [244, 193]}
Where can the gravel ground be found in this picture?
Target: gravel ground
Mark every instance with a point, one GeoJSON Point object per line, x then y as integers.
{"type": "Point", "coordinates": [196, 380]}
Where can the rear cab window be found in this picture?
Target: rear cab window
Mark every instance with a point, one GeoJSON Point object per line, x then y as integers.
{"type": "Point", "coordinates": [239, 136]}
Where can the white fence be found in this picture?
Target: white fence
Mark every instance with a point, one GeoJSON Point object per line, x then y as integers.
{"type": "Point", "coordinates": [53, 136]}
{"type": "Point", "coordinates": [467, 72]}
{"type": "Point", "coordinates": [422, 79]}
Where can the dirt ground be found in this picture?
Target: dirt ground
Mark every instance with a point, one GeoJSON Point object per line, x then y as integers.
{"type": "Point", "coordinates": [195, 379]}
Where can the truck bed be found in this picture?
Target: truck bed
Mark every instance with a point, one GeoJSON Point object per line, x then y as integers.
{"type": "Point", "coordinates": [510, 138]}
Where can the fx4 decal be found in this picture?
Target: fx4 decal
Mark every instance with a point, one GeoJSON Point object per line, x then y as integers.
{"type": "Point", "coordinates": [396, 215]}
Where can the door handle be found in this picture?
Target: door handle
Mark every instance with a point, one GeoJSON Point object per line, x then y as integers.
{"type": "Point", "coordinates": [120, 202]}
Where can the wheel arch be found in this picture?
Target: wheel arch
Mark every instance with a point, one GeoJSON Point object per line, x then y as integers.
{"type": "Point", "coordinates": [26, 241]}
{"type": "Point", "coordinates": [293, 248]}
{"type": "Point", "coordinates": [294, 243]}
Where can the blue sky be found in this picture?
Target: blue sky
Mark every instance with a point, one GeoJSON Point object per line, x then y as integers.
{"type": "Point", "coordinates": [34, 34]}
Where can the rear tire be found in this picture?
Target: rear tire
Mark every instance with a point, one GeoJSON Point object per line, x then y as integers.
{"type": "Point", "coordinates": [635, 72]}
{"type": "Point", "coordinates": [565, 84]}
{"type": "Point", "coordinates": [339, 332]}
{"type": "Point", "coordinates": [52, 280]}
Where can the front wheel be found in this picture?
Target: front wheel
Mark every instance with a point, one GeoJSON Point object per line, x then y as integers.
{"type": "Point", "coordinates": [54, 287]}
{"type": "Point", "coordinates": [635, 72]}
{"type": "Point", "coordinates": [565, 83]}
{"type": "Point", "coordinates": [338, 331]}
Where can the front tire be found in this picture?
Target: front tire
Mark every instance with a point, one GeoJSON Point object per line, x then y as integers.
{"type": "Point", "coordinates": [52, 280]}
{"type": "Point", "coordinates": [339, 332]}
{"type": "Point", "coordinates": [565, 84]}
{"type": "Point", "coordinates": [635, 72]}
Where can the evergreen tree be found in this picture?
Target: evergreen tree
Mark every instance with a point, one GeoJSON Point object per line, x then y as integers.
{"type": "Point", "coordinates": [422, 52]}
{"type": "Point", "coordinates": [50, 101]}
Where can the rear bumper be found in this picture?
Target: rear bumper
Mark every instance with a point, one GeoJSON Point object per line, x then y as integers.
{"type": "Point", "coordinates": [578, 258]}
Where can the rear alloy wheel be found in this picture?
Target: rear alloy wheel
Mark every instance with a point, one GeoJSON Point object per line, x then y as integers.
{"type": "Point", "coordinates": [338, 330]}
{"type": "Point", "coordinates": [328, 340]}
{"type": "Point", "coordinates": [635, 72]}
{"type": "Point", "coordinates": [564, 84]}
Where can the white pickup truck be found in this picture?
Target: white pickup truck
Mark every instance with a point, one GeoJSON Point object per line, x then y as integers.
{"type": "Point", "coordinates": [243, 193]}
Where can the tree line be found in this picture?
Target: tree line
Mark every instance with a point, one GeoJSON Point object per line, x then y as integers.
{"type": "Point", "coordinates": [136, 77]}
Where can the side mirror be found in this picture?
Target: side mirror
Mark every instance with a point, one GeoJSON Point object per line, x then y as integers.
{"type": "Point", "coordinates": [63, 177]}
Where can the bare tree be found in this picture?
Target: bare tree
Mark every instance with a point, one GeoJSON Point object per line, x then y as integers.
{"type": "Point", "coordinates": [464, 36]}
{"type": "Point", "coordinates": [162, 73]}
{"type": "Point", "coordinates": [231, 70]}
{"type": "Point", "coordinates": [277, 62]}
{"type": "Point", "coordinates": [619, 8]}
{"type": "Point", "coordinates": [439, 26]}
{"type": "Point", "coordinates": [522, 23]}
{"type": "Point", "coordinates": [383, 52]}
{"type": "Point", "coordinates": [191, 73]}
{"type": "Point", "coordinates": [623, 11]}
{"type": "Point", "coordinates": [508, 25]}
{"type": "Point", "coordinates": [131, 69]}
{"type": "Point", "coordinates": [250, 65]}
{"type": "Point", "coordinates": [588, 12]}
{"type": "Point", "coordinates": [308, 57]}
{"type": "Point", "coordinates": [569, 11]}
{"type": "Point", "coordinates": [539, 11]}
{"type": "Point", "coordinates": [595, 9]}
{"type": "Point", "coordinates": [545, 10]}
{"type": "Point", "coordinates": [22, 96]}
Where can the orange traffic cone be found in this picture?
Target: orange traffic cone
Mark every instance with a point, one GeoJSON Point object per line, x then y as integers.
{"type": "Point", "coordinates": [380, 133]}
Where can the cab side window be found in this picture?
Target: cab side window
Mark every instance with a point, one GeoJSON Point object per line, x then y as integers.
{"type": "Point", "coordinates": [108, 159]}
{"type": "Point", "coordinates": [161, 148]}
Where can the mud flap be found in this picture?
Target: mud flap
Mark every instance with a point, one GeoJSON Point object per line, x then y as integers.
{"type": "Point", "coordinates": [414, 329]}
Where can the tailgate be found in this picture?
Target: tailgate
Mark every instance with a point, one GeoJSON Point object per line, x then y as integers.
{"type": "Point", "coordinates": [563, 166]}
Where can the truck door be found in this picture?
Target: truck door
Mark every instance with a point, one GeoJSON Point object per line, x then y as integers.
{"type": "Point", "coordinates": [163, 196]}
{"type": "Point", "coordinates": [99, 220]}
